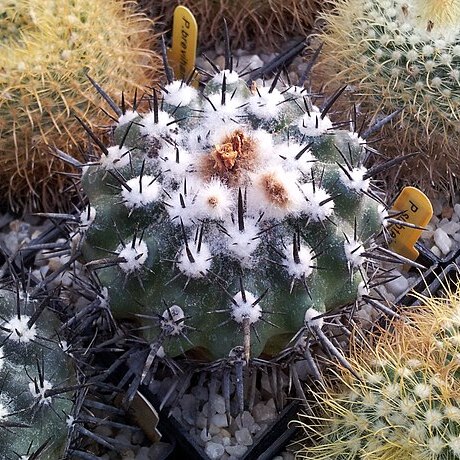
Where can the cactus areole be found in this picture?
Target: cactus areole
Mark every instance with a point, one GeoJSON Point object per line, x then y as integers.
{"type": "Point", "coordinates": [231, 217]}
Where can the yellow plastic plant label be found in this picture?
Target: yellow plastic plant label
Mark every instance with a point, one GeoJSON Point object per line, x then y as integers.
{"type": "Point", "coordinates": [413, 207]}
{"type": "Point", "coordinates": [182, 53]}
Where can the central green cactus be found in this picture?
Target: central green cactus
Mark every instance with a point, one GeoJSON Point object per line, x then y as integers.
{"type": "Point", "coordinates": [232, 217]}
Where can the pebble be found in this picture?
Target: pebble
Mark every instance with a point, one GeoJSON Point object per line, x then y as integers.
{"type": "Point", "coordinates": [236, 451]}
{"type": "Point", "coordinates": [442, 240]}
{"type": "Point", "coordinates": [214, 450]}
{"type": "Point", "coordinates": [244, 437]}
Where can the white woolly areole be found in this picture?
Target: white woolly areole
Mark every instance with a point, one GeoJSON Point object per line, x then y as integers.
{"type": "Point", "coordinates": [87, 217]}
{"type": "Point", "coordinates": [176, 212]}
{"type": "Point", "coordinates": [3, 411]}
{"type": "Point", "coordinates": [241, 245]}
{"type": "Point", "coordinates": [264, 104]}
{"type": "Point", "coordinates": [241, 310]}
{"type": "Point", "coordinates": [276, 193]}
{"type": "Point", "coordinates": [201, 261]}
{"type": "Point", "coordinates": [353, 252]}
{"type": "Point", "coordinates": [20, 331]}
{"type": "Point", "coordinates": [316, 207]}
{"type": "Point", "coordinates": [174, 171]}
{"type": "Point", "coordinates": [178, 93]}
{"type": "Point", "coordinates": [230, 77]}
{"type": "Point", "coordinates": [214, 200]}
{"type": "Point", "coordinates": [152, 129]}
{"type": "Point", "coordinates": [215, 110]}
{"type": "Point", "coordinates": [135, 257]}
{"type": "Point", "coordinates": [357, 181]}
{"type": "Point", "coordinates": [126, 117]}
{"type": "Point", "coordinates": [264, 142]}
{"type": "Point", "coordinates": [141, 196]}
{"type": "Point", "coordinates": [116, 157]}
{"type": "Point", "coordinates": [39, 393]}
{"type": "Point", "coordinates": [311, 320]}
{"type": "Point", "coordinates": [173, 320]}
{"type": "Point", "coordinates": [313, 125]}
{"type": "Point", "coordinates": [290, 151]}
{"type": "Point", "coordinates": [302, 269]}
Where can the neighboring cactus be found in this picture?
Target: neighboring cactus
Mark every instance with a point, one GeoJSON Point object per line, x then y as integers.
{"type": "Point", "coordinates": [47, 48]}
{"type": "Point", "coordinates": [402, 54]}
{"type": "Point", "coordinates": [403, 399]}
{"type": "Point", "coordinates": [230, 218]}
{"type": "Point", "coordinates": [37, 380]}
{"type": "Point", "coordinates": [254, 24]}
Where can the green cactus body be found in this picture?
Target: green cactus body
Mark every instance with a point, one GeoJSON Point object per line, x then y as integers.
{"type": "Point", "coordinates": [402, 401]}
{"type": "Point", "coordinates": [405, 53]}
{"type": "Point", "coordinates": [241, 210]}
{"type": "Point", "coordinates": [33, 417]}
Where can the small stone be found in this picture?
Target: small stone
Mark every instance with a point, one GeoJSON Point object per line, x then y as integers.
{"type": "Point", "coordinates": [236, 451]}
{"type": "Point", "coordinates": [246, 419]}
{"type": "Point", "coordinates": [205, 436]}
{"type": "Point", "coordinates": [214, 450]}
{"type": "Point", "coordinates": [201, 421]}
{"type": "Point", "coordinates": [213, 429]}
{"type": "Point", "coordinates": [398, 285]}
{"type": "Point", "coordinates": [219, 420]}
{"type": "Point", "coordinates": [159, 450]}
{"type": "Point", "coordinates": [457, 209]}
{"type": "Point", "coordinates": [436, 251]}
{"type": "Point", "coordinates": [176, 413]}
{"type": "Point", "coordinates": [264, 413]}
{"type": "Point", "coordinates": [218, 404]}
{"type": "Point", "coordinates": [456, 237]}
{"type": "Point", "coordinates": [244, 437]}
{"type": "Point", "coordinates": [451, 227]}
{"type": "Point", "coordinates": [143, 454]}
{"type": "Point", "coordinates": [200, 393]}
{"type": "Point", "coordinates": [442, 240]}
{"type": "Point", "coordinates": [447, 212]}
{"type": "Point", "coordinates": [254, 428]}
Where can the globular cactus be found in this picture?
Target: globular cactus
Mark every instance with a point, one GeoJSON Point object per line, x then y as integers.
{"type": "Point", "coordinates": [402, 401]}
{"type": "Point", "coordinates": [37, 380]}
{"type": "Point", "coordinates": [47, 50]}
{"type": "Point", "coordinates": [402, 54]}
{"type": "Point", "coordinates": [233, 217]}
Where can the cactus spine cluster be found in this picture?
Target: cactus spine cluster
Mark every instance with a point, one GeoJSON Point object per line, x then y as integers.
{"type": "Point", "coordinates": [230, 218]}
{"type": "Point", "coordinates": [37, 380]}
{"type": "Point", "coordinates": [403, 399]}
{"type": "Point", "coordinates": [47, 48]}
{"type": "Point", "coordinates": [402, 54]}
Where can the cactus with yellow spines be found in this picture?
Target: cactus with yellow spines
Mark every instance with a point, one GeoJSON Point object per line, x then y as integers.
{"type": "Point", "coordinates": [402, 54]}
{"type": "Point", "coordinates": [47, 48]}
{"type": "Point", "coordinates": [403, 400]}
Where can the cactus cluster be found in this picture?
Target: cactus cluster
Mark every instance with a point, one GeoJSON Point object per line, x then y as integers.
{"type": "Point", "coordinates": [402, 400]}
{"type": "Point", "coordinates": [37, 380]}
{"type": "Point", "coordinates": [235, 217]}
{"type": "Point", "coordinates": [47, 48]}
{"type": "Point", "coordinates": [402, 54]}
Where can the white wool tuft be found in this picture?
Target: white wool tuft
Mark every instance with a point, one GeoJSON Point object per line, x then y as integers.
{"type": "Point", "coordinates": [134, 198]}
{"type": "Point", "coordinates": [214, 201]}
{"type": "Point", "coordinates": [179, 94]}
{"type": "Point", "coordinates": [231, 110]}
{"type": "Point", "coordinates": [264, 142]}
{"type": "Point", "coordinates": [176, 212]}
{"type": "Point", "coordinates": [314, 197]}
{"type": "Point", "coordinates": [313, 125]}
{"type": "Point", "coordinates": [264, 104]}
{"type": "Point", "coordinates": [245, 310]}
{"type": "Point", "coordinates": [173, 321]}
{"type": "Point", "coordinates": [3, 411]}
{"type": "Point", "coordinates": [353, 252]}
{"type": "Point", "coordinates": [20, 331]}
{"type": "Point", "coordinates": [260, 199]}
{"type": "Point", "coordinates": [40, 394]}
{"type": "Point", "coordinates": [152, 129]}
{"type": "Point", "coordinates": [242, 244]}
{"type": "Point", "coordinates": [201, 261]}
{"type": "Point", "coordinates": [289, 151]}
{"type": "Point", "coordinates": [134, 257]}
{"type": "Point", "coordinates": [128, 116]}
{"type": "Point", "coordinates": [311, 320]}
{"type": "Point", "coordinates": [172, 170]}
{"type": "Point", "coordinates": [305, 267]}
{"type": "Point", "coordinates": [87, 218]}
{"type": "Point", "coordinates": [357, 181]}
{"type": "Point", "coordinates": [116, 157]}
{"type": "Point", "coordinates": [230, 77]}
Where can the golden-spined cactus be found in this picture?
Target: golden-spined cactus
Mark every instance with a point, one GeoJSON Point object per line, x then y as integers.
{"type": "Point", "coordinates": [47, 48]}
{"type": "Point", "coordinates": [403, 401]}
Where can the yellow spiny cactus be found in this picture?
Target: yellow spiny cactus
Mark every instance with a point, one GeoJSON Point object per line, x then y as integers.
{"type": "Point", "coordinates": [46, 49]}
{"type": "Point", "coordinates": [404, 401]}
